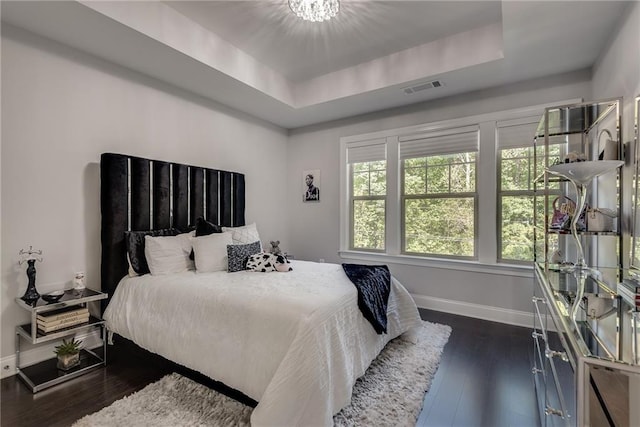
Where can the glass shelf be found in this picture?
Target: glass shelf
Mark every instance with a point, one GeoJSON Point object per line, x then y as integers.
{"type": "Point", "coordinates": [584, 232]}
{"type": "Point", "coordinates": [606, 326]}
{"type": "Point", "coordinates": [575, 118]}
{"type": "Point", "coordinates": [71, 297]}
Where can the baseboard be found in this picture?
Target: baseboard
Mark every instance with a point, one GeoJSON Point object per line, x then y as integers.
{"type": "Point", "coordinates": [485, 312]}
{"type": "Point", "coordinates": [91, 339]}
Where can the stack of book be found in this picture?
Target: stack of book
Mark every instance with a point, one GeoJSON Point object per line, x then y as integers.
{"type": "Point", "coordinates": [63, 318]}
{"type": "Point", "coordinates": [629, 290]}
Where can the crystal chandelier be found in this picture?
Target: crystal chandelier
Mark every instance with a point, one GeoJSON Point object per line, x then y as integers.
{"type": "Point", "coordinates": [315, 10]}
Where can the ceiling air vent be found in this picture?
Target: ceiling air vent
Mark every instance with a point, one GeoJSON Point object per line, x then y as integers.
{"type": "Point", "coordinates": [422, 86]}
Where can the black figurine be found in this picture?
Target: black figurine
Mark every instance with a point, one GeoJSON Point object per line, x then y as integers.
{"type": "Point", "coordinates": [31, 295]}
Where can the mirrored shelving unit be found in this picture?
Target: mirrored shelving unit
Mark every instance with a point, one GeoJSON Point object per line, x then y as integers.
{"type": "Point", "coordinates": [587, 366]}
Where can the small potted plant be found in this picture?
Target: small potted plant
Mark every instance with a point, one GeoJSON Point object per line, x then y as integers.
{"type": "Point", "coordinates": [68, 354]}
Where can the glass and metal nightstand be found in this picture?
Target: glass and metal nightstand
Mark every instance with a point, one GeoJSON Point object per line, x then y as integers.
{"type": "Point", "coordinates": [46, 374]}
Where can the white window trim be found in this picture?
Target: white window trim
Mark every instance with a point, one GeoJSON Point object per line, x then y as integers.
{"type": "Point", "coordinates": [431, 196]}
{"type": "Point", "coordinates": [487, 256]}
{"type": "Point", "coordinates": [517, 270]}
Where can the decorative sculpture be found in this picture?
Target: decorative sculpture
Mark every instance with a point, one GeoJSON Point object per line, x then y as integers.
{"type": "Point", "coordinates": [30, 256]}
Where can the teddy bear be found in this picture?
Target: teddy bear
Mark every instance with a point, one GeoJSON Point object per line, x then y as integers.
{"type": "Point", "coordinates": [275, 249]}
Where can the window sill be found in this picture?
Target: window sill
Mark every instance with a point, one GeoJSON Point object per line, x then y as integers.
{"type": "Point", "coordinates": [448, 264]}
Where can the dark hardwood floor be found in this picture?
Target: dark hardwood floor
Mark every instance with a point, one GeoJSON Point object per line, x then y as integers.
{"type": "Point", "coordinates": [484, 379]}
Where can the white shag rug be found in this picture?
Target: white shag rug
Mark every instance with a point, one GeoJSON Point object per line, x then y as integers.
{"type": "Point", "coordinates": [390, 393]}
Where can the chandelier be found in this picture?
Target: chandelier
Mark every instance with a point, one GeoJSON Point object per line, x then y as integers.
{"type": "Point", "coordinates": [315, 10]}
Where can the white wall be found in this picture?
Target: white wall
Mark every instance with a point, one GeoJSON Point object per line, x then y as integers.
{"type": "Point", "coordinates": [60, 110]}
{"type": "Point", "coordinates": [314, 228]}
{"type": "Point", "coordinates": [617, 71]}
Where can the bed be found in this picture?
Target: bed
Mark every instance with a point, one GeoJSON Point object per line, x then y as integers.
{"type": "Point", "coordinates": [294, 342]}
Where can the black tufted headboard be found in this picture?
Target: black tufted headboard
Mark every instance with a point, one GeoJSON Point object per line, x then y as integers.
{"type": "Point", "coordinates": [162, 195]}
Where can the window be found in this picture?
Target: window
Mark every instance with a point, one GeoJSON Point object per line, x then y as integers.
{"type": "Point", "coordinates": [455, 194]}
{"type": "Point", "coordinates": [438, 196]}
{"type": "Point", "coordinates": [367, 195]}
{"type": "Point", "coordinates": [516, 177]}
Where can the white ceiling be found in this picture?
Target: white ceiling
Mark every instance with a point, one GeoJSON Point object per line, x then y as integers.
{"type": "Point", "coordinates": [255, 56]}
{"type": "Point", "coordinates": [361, 32]}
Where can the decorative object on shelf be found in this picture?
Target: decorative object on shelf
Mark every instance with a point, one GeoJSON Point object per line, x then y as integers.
{"type": "Point", "coordinates": [573, 157]}
{"type": "Point", "coordinates": [608, 150]}
{"type": "Point", "coordinates": [68, 354]}
{"type": "Point", "coordinates": [315, 10]}
{"type": "Point", "coordinates": [52, 297]}
{"type": "Point", "coordinates": [30, 256]}
{"type": "Point", "coordinates": [601, 219]}
{"type": "Point", "coordinates": [563, 214]}
{"type": "Point", "coordinates": [580, 175]}
{"type": "Point", "coordinates": [78, 281]}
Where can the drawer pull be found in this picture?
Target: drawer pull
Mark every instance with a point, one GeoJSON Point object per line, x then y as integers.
{"type": "Point", "coordinates": [552, 411]}
{"type": "Point", "coordinates": [538, 299]}
{"type": "Point", "coordinates": [559, 354]}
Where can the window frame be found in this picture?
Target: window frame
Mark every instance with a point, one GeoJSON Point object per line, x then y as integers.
{"type": "Point", "coordinates": [449, 195]}
{"type": "Point", "coordinates": [501, 194]}
{"type": "Point", "coordinates": [353, 198]}
{"type": "Point", "coordinates": [486, 203]}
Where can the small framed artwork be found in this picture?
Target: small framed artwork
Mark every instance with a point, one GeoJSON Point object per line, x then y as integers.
{"type": "Point", "coordinates": [311, 185]}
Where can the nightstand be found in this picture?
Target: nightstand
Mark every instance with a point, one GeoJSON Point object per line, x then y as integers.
{"type": "Point", "coordinates": [46, 374]}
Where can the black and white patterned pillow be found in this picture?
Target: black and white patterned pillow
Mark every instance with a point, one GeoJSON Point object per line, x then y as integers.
{"type": "Point", "coordinates": [239, 254]}
{"type": "Point", "coordinates": [265, 262]}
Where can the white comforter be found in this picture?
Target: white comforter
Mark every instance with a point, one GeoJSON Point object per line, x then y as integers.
{"type": "Point", "coordinates": [295, 342]}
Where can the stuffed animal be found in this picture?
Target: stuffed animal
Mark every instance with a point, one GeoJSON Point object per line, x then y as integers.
{"type": "Point", "coordinates": [275, 249]}
{"type": "Point", "coordinates": [264, 262]}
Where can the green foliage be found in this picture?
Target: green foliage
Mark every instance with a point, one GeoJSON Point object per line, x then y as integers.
{"type": "Point", "coordinates": [439, 203]}
{"type": "Point", "coordinates": [68, 347]}
{"type": "Point", "coordinates": [369, 181]}
{"type": "Point", "coordinates": [369, 224]}
{"type": "Point", "coordinates": [435, 222]}
{"type": "Point", "coordinates": [517, 228]}
{"type": "Point", "coordinates": [440, 226]}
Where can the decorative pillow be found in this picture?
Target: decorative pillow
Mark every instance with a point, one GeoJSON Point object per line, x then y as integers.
{"type": "Point", "coordinates": [211, 252]}
{"type": "Point", "coordinates": [239, 255]}
{"type": "Point", "coordinates": [245, 234]}
{"type": "Point", "coordinates": [134, 241]}
{"type": "Point", "coordinates": [265, 262]}
{"type": "Point", "coordinates": [204, 228]}
{"type": "Point", "coordinates": [168, 254]}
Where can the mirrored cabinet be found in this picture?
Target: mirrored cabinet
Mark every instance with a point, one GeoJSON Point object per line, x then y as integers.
{"type": "Point", "coordinates": [585, 334]}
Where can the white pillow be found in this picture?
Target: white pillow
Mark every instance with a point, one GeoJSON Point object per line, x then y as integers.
{"type": "Point", "coordinates": [244, 235]}
{"type": "Point", "coordinates": [168, 254]}
{"type": "Point", "coordinates": [210, 252]}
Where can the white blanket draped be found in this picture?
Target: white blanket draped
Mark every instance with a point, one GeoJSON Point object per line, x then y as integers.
{"type": "Point", "coordinates": [295, 342]}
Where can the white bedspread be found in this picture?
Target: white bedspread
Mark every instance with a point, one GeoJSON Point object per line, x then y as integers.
{"type": "Point", "coordinates": [295, 342]}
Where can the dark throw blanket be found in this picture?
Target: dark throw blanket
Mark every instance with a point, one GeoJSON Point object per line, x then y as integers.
{"type": "Point", "coordinates": [373, 283]}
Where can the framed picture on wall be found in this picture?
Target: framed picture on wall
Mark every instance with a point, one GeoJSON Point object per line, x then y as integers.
{"type": "Point", "coordinates": [311, 185]}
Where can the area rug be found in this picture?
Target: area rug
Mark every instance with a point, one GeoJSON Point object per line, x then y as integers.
{"type": "Point", "coordinates": [390, 393]}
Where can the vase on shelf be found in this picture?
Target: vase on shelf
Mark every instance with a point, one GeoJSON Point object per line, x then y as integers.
{"type": "Point", "coordinates": [580, 174]}
{"type": "Point", "coordinates": [31, 294]}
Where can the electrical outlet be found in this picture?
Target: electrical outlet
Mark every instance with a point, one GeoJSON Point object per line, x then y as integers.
{"type": "Point", "coordinates": [321, 260]}
{"type": "Point", "coordinates": [8, 368]}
